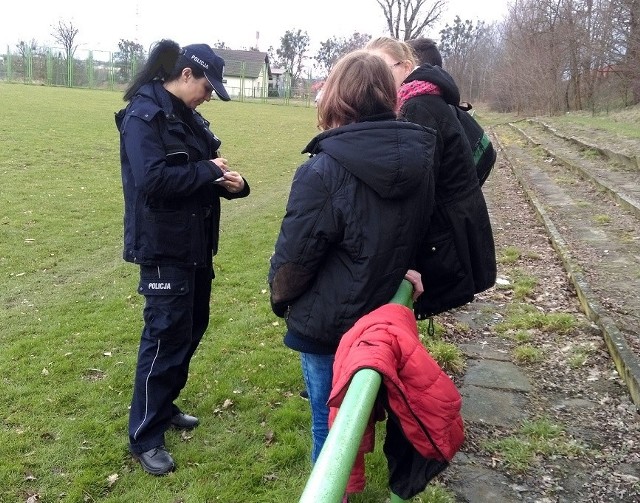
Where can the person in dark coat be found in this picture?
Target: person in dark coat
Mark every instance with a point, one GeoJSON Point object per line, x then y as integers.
{"type": "Point", "coordinates": [172, 179]}
{"type": "Point", "coordinates": [457, 259]}
{"type": "Point", "coordinates": [353, 220]}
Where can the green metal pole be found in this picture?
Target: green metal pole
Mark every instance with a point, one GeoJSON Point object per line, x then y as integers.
{"type": "Point", "coordinates": [287, 88]}
{"type": "Point", "coordinates": [331, 471]}
{"type": "Point", "coordinates": [69, 70]}
{"type": "Point", "coordinates": [265, 83]}
{"type": "Point", "coordinates": [242, 76]}
{"type": "Point", "coordinates": [49, 67]}
{"type": "Point", "coordinates": [9, 76]}
{"type": "Point", "coordinates": [90, 74]}
{"type": "Point", "coordinates": [29, 68]}
{"type": "Point", "coordinates": [404, 294]}
{"type": "Point", "coordinates": [112, 76]}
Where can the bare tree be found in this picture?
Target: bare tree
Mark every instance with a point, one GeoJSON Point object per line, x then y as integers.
{"type": "Point", "coordinates": [632, 56]}
{"type": "Point", "coordinates": [559, 55]}
{"type": "Point", "coordinates": [460, 46]}
{"type": "Point", "coordinates": [27, 50]}
{"type": "Point", "coordinates": [532, 67]}
{"type": "Point", "coordinates": [408, 19]}
{"type": "Point", "coordinates": [587, 27]}
{"type": "Point", "coordinates": [24, 48]}
{"type": "Point", "coordinates": [512, 89]}
{"type": "Point", "coordinates": [65, 35]}
{"type": "Point", "coordinates": [481, 66]}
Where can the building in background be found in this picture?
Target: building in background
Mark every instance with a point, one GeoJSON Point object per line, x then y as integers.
{"type": "Point", "coordinates": [247, 74]}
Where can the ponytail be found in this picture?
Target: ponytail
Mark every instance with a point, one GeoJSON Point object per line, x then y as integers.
{"type": "Point", "coordinates": [160, 65]}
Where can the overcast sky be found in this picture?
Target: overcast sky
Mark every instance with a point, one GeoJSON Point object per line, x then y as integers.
{"type": "Point", "coordinates": [102, 24]}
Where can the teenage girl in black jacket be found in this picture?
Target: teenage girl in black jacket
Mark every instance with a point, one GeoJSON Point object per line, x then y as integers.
{"type": "Point", "coordinates": [457, 260]}
{"type": "Point", "coordinates": [353, 220]}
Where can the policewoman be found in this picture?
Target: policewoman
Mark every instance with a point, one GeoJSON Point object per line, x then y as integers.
{"type": "Point", "coordinates": [172, 179]}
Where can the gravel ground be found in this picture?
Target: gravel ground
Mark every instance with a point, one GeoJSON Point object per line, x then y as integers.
{"type": "Point", "coordinates": [585, 397]}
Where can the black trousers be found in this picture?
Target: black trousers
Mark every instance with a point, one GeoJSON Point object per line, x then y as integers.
{"type": "Point", "coordinates": [176, 315]}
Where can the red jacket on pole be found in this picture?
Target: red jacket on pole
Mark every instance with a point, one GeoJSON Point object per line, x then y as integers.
{"type": "Point", "coordinates": [422, 402]}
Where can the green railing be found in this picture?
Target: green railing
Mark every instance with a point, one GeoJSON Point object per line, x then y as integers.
{"type": "Point", "coordinates": [330, 474]}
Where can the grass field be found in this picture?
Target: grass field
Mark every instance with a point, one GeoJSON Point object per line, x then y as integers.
{"type": "Point", "coordinates": [71, 317]}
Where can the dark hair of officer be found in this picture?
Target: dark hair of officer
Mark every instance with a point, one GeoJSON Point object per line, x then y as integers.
{"type": "Point", "coordinates": [360, 85]}
{"type": "Point", "coordinates": [166, 62]}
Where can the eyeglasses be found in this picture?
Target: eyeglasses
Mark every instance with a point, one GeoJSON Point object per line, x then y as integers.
{"type": "Point", "coordinates": [395, 64]}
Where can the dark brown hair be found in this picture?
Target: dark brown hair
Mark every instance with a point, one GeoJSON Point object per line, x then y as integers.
{"type": "Point", "coordinates": [360, 85]}
{"type": "Point", "coordinates": [426, 50]}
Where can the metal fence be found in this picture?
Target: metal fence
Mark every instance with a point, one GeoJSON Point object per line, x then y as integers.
{"type": "Point", "coordinates": [49, 66]}
{"type": "Point", "coordinates": [108, 70]}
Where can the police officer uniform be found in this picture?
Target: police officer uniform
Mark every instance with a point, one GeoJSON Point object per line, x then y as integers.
{"type": "Point", "coordinates": [171, 229]}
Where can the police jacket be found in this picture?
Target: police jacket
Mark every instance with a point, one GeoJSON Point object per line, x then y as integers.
{"type": "Point", "coordinates": [354, 216]}
{"type": "Point", "coordinates": [171, 203]}
{"type": "Point", "coordinates": [457, 260]}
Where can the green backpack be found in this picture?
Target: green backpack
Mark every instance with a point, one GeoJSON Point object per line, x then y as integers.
{"type": "Point", "coordinates": [484, 155]}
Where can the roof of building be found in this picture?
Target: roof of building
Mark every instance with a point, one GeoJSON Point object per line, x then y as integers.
{"type": "Point", "coordinates": [243, 63]}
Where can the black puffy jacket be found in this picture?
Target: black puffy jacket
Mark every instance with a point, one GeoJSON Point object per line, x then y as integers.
{"type": "Point", "coordinates": [458, 259]}
{"type": "Point", "coordinates": [355, 214]}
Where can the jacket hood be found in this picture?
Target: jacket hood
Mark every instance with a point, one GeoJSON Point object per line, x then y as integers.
{"type": "Point", "coordinates": [390, 156]}
{"type": "Point", "coordinates": [439, 77]}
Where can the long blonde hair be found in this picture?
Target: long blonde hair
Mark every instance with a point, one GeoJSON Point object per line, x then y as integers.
{"type": "Point", "coordinates": [397, 49]}
{"type": "Point", "coordinates": [360, 85]}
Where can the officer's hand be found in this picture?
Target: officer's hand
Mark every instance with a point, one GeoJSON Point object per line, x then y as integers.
{"type": "Point", "coordinates": [221, 162]}
{"type": "Point", "coordinates": [233, 181]}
